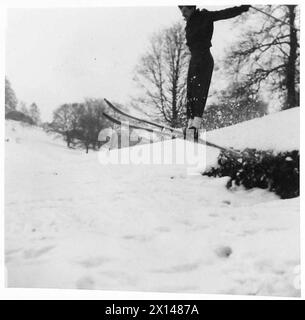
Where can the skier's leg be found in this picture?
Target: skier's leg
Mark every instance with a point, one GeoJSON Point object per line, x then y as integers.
{"type": "Point", "coordinates": [189, 93]}
{"type": "Point", "coordinates": [193, 73]}
{"type": "Point", "coordinates": [202, 85]}
{"type": "Point", "coordinates": [189, 90]}
{"type": "Point", "coordinates": [188, 100]}
{"type": "Point", "coordinates": [196, 135]}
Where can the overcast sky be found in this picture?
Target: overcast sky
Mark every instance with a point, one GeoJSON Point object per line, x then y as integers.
{"type": "Point", "coordinates": [54, 56]}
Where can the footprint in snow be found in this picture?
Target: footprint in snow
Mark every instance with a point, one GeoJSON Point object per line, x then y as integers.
{"type": "Point", "coordinates": [224, 251]}
{"type": "Point", "coordinates": [139, 238]}
{"type": "Point", "coordinates": [163, 229]}
{"type": "Point", "coordinates": [12, 251]}
{"type": "Point", "coordinates": [31, 254]}
{"type": "Point", "coordinates": [214, 215]}
{"type": "Point", "coordinates": [85, 283]}
{"type": "Point", "coordinates": [179, 268]}
{"type": "Point", "coordinates": [94, 262]}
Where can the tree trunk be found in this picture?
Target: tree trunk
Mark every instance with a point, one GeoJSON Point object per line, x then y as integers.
{"type": "Point", "coordinates": [175, 119]}
{"type": "Point", "coordinates": [291, 67]}
{"type": "Point", "coordinates": [68, 139]}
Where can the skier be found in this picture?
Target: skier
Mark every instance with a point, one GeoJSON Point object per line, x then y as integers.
{"type": "Point", "coordinates": [198, 31]}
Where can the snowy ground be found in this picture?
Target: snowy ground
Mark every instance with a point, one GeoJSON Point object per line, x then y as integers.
{"type": "Point", "coordinates": [72, 222]}
{"type": "Point", "coordinates": [279, 131]}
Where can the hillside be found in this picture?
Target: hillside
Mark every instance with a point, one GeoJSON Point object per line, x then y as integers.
{"type": "Point", "coordinates": [279, 131]}
{"type": "Point", "coordinates": [72, 221]}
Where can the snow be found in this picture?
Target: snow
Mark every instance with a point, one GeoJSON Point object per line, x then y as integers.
{"type": "Point", "coordinates": [279, 131]}
{"type": "Point", "coordinates": [73, 221]}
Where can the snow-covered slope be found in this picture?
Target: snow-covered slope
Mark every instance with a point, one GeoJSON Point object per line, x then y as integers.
{"type": "Point", "coordinates": [73, 222]}
{"type": "Point", "coordinates": [278, 131]}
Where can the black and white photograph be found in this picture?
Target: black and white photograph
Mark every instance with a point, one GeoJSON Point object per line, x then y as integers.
{"type": "Point", "coordinates": [153, 148]}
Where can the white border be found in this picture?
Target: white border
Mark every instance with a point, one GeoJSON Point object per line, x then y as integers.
{"type": "Point", "coordinates": [48, 294]}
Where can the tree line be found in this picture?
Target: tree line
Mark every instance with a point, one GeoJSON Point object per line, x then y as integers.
{"type": "Point", "coordinates": [266, 59]}
{"type": "Point", "coordinates": [17, 110]}
{"type": "Point", "coordinates": [79, 123]}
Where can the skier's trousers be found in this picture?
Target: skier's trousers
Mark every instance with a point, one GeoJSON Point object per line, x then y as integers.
{"type": "Point", "coordinates": [198, 82]}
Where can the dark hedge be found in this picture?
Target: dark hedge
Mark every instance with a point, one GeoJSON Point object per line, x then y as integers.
{"type": "Point", "coordinates": [19, 116]}
{"type": "Point", "coordinates": [261, 169]}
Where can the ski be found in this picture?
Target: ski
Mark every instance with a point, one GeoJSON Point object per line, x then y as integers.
{"type": "Point", "coordinates": [158, 125]}
{"type": "Point", "coordinates": [121, 123]}
{"type": "Point", "coordinates": [169, 134]}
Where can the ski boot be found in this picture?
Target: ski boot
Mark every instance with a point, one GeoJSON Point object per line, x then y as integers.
{"type": "Point", "coordinates": [191, 132]}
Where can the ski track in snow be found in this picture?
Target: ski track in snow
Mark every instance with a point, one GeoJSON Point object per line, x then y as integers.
{"type": "Point", "coordinates": [71, 222]}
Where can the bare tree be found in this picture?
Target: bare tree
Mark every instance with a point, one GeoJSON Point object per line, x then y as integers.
{"type": "Point", "coordinates": [235, 104]}
{"type": "Point", "coordinates": [34, 113]}
{"type": "Point", "coordinates": [162, 74]}
{"type": "Point", "coordinates": [10, 97]}
{"type": "Point", "coordinates": [91, 122]}
{"type": "Point", "coordinates": [292, 69]}
{"type": "Point", "coordinates": [66, 121]}
{"type": "Point", "coordinates": [23, 108]}
{"type": "Point", "coordinates": [268, 55]}
{"type": "Point", "coordinates": [79, 123]}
